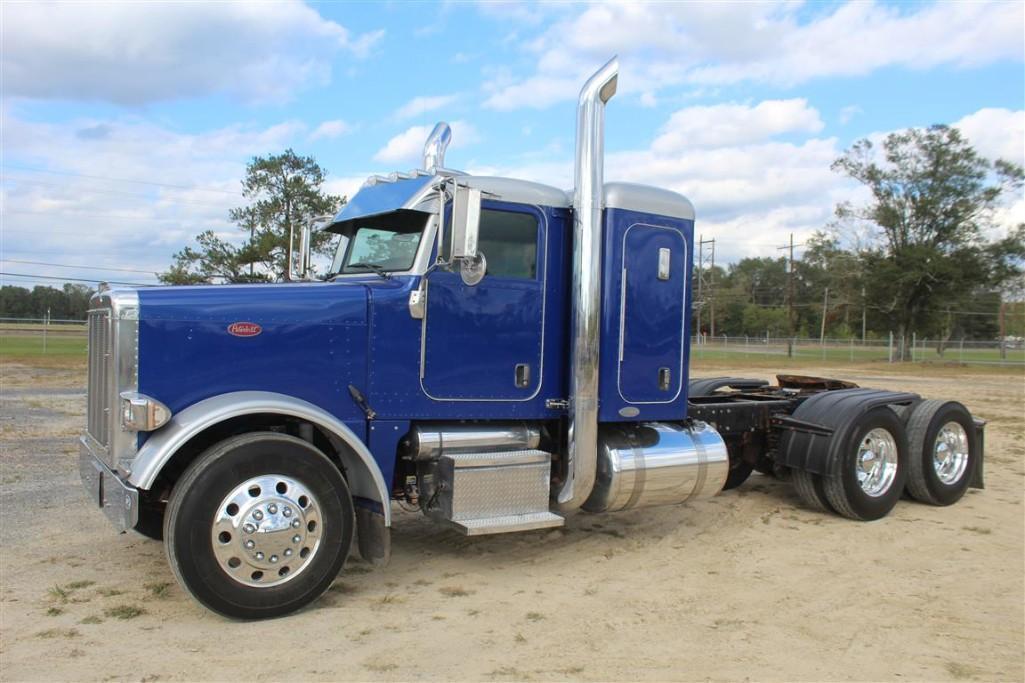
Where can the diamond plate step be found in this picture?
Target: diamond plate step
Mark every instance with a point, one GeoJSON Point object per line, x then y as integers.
{"type": "Point", "coordinates": [507, 523]}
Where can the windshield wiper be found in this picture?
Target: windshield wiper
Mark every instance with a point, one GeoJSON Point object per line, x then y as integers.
{"type": "Point", "coordinates": [372, 266]}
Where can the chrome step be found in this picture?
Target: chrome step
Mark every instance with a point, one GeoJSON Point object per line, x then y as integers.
{"type": "Point", "coordinates": [507, 523]}
{"type": "Point", "coordinates": [492, 492]}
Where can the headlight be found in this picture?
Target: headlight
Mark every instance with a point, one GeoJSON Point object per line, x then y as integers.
{"type": "Point", "coordinates": [141, 413]}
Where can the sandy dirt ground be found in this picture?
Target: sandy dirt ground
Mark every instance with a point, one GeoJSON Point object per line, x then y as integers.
{"type": "Point", "coordinates": [747, 586]}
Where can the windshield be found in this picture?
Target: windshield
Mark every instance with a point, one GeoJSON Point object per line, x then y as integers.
{"type": "Point", "coordinates": [377, 248]}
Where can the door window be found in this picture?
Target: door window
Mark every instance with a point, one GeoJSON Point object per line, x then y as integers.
{"type": "Point", "coordinates": [508, 240]}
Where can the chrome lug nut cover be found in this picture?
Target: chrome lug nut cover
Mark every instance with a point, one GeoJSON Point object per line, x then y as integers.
{"type": "Point", "coordinates": [265, 529]}
{"type": "Point", "coordinates": [876, 463]}
{"type": "Point", "coordinates": [950, 453]}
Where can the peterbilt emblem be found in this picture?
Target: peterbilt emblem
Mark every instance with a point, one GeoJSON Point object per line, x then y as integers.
{"type": "Point", "coordinates": [243, 329]}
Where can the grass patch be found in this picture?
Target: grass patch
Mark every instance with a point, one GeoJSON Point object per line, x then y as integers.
{"type": "Point", "coordinates": [380, 667]}
{"type": "Point", "coordinates": [31, 346]}
{"type": "Point", "coordinates": [454, 591]}
{"type": "Point", "coordinates": [391, 599]}
{"type": "Point", "coordinates": [961, 671]}
{"type": "Point", "coordinates": [76, 585]}
{"type": "Point", "coordinates": [92, 619]}
{"type": "Point", "coordinates": [535, 616]}
{"type": "Point", "coordinates": [520, 638]}
{"type": "Point", "coordinates": [978, 530]}
{"type": "Point", "coordinates": [124, 612]}
{"type": "Point", "coordinates": [54, 611]}
{"type": "Point", "coordinates": [59, 594]}
{"type": "Point", "coordinates": [158, 590]}
{"type": "Point", "coordinates": [58, 633]}
{"type": "Point", "coordinates": [108, 592]}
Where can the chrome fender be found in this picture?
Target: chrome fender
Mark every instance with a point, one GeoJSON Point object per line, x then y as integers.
{"type": "Point", "coordinates": [364, 476]}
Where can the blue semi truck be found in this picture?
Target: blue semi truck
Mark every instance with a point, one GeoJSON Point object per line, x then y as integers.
{"type": "Point", "coordinates": [496, 352]}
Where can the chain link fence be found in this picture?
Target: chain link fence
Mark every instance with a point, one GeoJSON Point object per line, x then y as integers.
{"type": "Point", "coordinates": [42, 336]}
{"type": "Point", "coordinates": [35, 336]}
{"type": "Point", "coordinates": [891, 350]}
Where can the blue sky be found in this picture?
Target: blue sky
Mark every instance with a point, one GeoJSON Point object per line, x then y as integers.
{"type": "Point", "coordinates": [126, 127]}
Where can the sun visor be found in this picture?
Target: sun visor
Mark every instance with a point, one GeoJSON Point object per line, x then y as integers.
{"type": "Point", "coordinates": [385, 196]}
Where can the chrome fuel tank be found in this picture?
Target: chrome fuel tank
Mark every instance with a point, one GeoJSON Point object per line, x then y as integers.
{"type": "Point", "coordinates": [657, 463]}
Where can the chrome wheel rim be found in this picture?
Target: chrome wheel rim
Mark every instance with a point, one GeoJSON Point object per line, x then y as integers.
{"type": "Point", "coordinates": [950, 453]}
{"type": "Point", "coordinates": [877, 462]}
{"type": "Point", "coordinates": [266, 531]}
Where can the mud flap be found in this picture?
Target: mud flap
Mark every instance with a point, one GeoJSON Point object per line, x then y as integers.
{"type": "Point", "coordinates": [372, 534]}
{"type": "Point", "coordinates": [980, 440]}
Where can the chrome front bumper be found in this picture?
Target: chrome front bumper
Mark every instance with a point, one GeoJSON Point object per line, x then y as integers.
{"type": "Point", "coordinates": [118, 500]}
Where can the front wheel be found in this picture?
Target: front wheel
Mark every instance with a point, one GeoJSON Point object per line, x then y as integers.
{"type": "Point", "coordinates": [258, 526]}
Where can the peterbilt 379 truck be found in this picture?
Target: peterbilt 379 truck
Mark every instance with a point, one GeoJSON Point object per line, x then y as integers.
{"type": "Point", "coordinates": [495, 351]}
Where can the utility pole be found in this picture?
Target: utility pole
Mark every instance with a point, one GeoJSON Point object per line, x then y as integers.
{"type": "Point", "coordinates": [790, 294]}
{"type": "Point", "coordinates": [825, 305]}
{"type": "Point", "coordinates": [706, 281]}
{"type": "Point", "coordinates": [699, 301]}
{"type": "Point", "coordinates": [1003, 331]}
{"type": "Point", "coordinates": [863, 306]}
{"type": "Point", "coordinates": [711, 294]}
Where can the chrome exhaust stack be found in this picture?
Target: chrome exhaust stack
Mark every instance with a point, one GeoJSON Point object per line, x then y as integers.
{"type": "Point", "coordinates": [434, 148]}
{"type": "Point", "coordinates": [582, 446]}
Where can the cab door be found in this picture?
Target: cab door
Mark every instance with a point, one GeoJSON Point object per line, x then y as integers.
{"type": "Point", "coordinates": [484, 342]}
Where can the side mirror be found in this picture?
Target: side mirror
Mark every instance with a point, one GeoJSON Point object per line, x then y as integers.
{"type": "Point", "coordinates": [301, 270]}
{"type": "Point", "coordinates": [465, 222]}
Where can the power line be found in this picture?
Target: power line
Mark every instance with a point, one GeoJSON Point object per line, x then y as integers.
{"type": "Point", "coordinates": [121, 180]}
{"type": "Point", "coordinates": [75, 279]}
{"type": "Point", "coordinates": [69, 265]}
{"type": "Point", "coordinates": [117, 192]}
{"type": "Point", "coordinates": [75, 214]}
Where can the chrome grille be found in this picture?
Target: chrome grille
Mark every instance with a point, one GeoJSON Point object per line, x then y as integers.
{"type": "Point", "coordinates": [100, 357]}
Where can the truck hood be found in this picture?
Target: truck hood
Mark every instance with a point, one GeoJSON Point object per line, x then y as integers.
{"type": "Point", "coordinates": [307, 340]}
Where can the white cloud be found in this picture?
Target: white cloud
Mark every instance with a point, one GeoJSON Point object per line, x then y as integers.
{"type": "Point", "coordinates": [996, 133]}
{"type": "Point", "coordinates": [735, 124]}
{"type": "Point", "coordinates": [124, 192]}
{"type": "Point", "coordinates": [407, 147]}
{"type": "Point", "coordinates": [136, 53]}
{"type": "Point", "coordinates": [750, 191]}
{"type": "Point", "coordinates": [331, 129]}
{"type": "Point", "coordinates": [418, 106]}
{"type": "Point", "coordinates": [664, 44]}
{"type": "Point", "coordinates": [648, 100]}
{"type": "Point", "coordinates": [849, 112]}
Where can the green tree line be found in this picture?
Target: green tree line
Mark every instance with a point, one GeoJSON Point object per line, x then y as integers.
{"type": "Point", "coordinates": [924, 255]}
{"type": "Point", "coordinates": [71, 302]}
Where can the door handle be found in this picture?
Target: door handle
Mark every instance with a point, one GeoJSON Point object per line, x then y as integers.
{"type": "Point", "coordinates": [522, 379]}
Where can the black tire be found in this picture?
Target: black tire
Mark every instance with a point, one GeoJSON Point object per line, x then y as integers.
{"type": "Point", "coordinates": [843, 491]}
{"type": "Point", "coordinates": [196, 500]}
{"type": "Point", "coordinates": [739, 472]}
{"type": "Point", "coordinates": [924, 425]}
{"type": "Point", "coordinates": [811, 490]}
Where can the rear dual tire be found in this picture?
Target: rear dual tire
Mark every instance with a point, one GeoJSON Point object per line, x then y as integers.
{"type": "Point", "coordinates": [944, 450]}
{"type": "Point", "coordinates": [869, 471]}
{"type": "Point", "coordinates": [869, 478]}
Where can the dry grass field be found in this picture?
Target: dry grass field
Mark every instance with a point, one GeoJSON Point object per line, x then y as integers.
{"type": "Point", "coordinates": [746, 586]}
